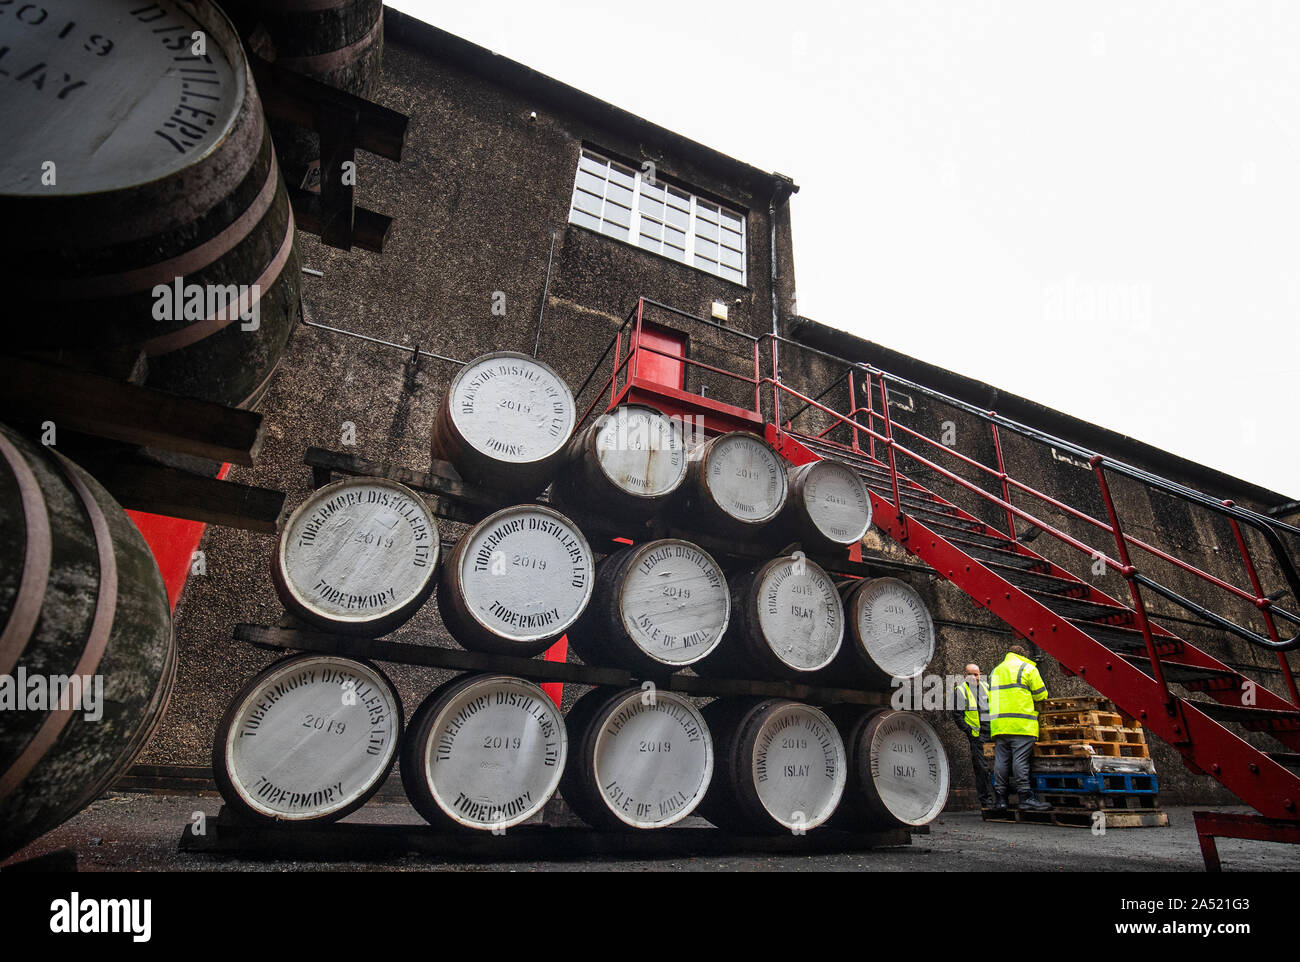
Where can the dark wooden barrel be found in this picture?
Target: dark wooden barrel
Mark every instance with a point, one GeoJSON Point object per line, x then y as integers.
{"type": "Point", "coordinates": [898, 770]}
{"type": "Point", "coordinates": [80, 595]}
{"type": "Point", "coordinates": [516, 581]}
{"type": "Point", "coordinates": [629, 464]}
{"type": "Point", "coordinates": [779, 766]}
{"type": "Point", "coordinates": [163, 170]}
{"type": "Point", "coordinates": [889, 633]}
{"type": "Point", "coordinates": [483, 752]}
{"type": "Point", "coordinates": [736, 486]}
{"type": "Point", "coordinates": [310, 739]}
{"type": "Point", "coordinates": [828, 508]}
{"type": "Point", "coordinates": [787, 622]}
{"type": "Point", "coordinates": [638, 759]}
{"type": "Point", "coordinates": [358, 556]}
{"type": "Point", "coordinates": [504, 423]}
{"type": "Point", "coordinates": [338, 42]}
{"type": "Point", "coordinates": [656, 608]}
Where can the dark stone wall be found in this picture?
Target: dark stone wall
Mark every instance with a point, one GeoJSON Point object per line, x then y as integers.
{"type": "Point", "coordinates": [479, 195]}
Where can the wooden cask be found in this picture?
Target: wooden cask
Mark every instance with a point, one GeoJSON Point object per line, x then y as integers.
{"type": "Point", "coordinates": [898, 770]}
{"type": "Point", "coordinates": [80, 598]}
{"type": "Point", "coordinates": [310, 739]}
{"type": "Point", "coordinates": [516, 581]}
{"type": "Point", "coordinates": [504, 423]}
{"type": "Point", "coordinates": [358, 556]}
{"type": "Point", "coordinates": [338, 42]}
{"type": "Point", "coordinates": [737, 485]}
{"type": "Point", "coordinates": [780, 766]}
{"type": "Point", "coordinates": [828, 508]}
{"type": "Point", "coordinates": [637, 760]}
{"type": "Point", "coordinates": [144, 211]}
{"type": "Point", "coordinates": [483, 752]}
{"type": "Point", "coordinates": [656, 608]}
{"type": "Point", "coordinates": [787, 622]}
{"type": "Point", "coordinates": [889, 633]}
{"type": "Point", "coordinates": [628, 464]}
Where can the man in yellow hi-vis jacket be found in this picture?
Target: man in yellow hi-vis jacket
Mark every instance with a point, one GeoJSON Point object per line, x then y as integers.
{"type": "Point", "coordinates": [1015, 689]}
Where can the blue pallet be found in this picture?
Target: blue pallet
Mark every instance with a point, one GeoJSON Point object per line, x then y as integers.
{"type": "Point", "coordinates": [1119, 783]}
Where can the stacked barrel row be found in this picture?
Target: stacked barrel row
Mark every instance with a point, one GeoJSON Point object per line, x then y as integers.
{"type": "Point", "coordinates": [314, 736]}
{"type": "Point", "coordinates": [487, 751]}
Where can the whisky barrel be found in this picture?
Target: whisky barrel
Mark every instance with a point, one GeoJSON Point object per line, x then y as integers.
{"type": "Point", "coordinates": [337, 42]}
{"type": "Point", "coordinates": [787, 621]}
{"type": "Point", "coordinates": [656, 607]}
{"type": "Point", "coordinates": [898, 770]}
{"type": "Point", "coordinates": [516, 581]}
{"type": "Point", "coordinates": [889, 633]}
{"type": "Point", "coordinates": [828, 508]}
{"type": "Point", "coordinates": [87, 659]}
{"type": "Point", "coordinates": [358, 556]}
{"type": "Point", "coordinates": [628, 464]}
{"type": "Point", "coordinates": [143, 207]}
{"type": "Point", "coordinates": [737, 485]}
{"type": "Point", "coordinates": [638, 759]}
{"type": "Point", "coordinates": [780, 766]}
{"type": "Point", "coordinates": [504, 423]}
{"type": "Point", "coordinates": [310, 739]}
{"type": "Point", "coordinates": [483, 752]}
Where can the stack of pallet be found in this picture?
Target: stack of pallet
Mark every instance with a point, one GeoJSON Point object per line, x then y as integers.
{"type": "Point", "coordinates": [1090, 758]}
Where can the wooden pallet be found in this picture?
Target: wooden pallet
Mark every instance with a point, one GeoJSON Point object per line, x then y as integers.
{"type": "Point", "coordinates": [1078, 703]}
{"type": "Point", "coordinates": [1096, 733]}
{"type": "Point", "coordinates": [1067, 818]}
{"type": "Point", "coordinates": [1052, 719]}
{"type": "Point", "coordinates": [1111, 801]}
{"type": "Point", "coordinates": [1081, 747]}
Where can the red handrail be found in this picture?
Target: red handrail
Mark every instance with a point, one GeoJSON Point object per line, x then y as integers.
{"type": "Point", "coordinates": [1123, 541]}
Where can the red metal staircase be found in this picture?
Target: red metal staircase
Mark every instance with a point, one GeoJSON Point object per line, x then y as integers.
{"type": "Point", "coordinates": [1187, 697]}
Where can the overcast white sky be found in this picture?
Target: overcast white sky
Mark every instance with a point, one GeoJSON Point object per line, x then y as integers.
{"type": "Point", "coordinates": [1094, 205]}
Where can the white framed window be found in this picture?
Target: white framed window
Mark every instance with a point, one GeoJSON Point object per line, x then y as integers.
{"type": "Point", "coordinates": [625, 204]}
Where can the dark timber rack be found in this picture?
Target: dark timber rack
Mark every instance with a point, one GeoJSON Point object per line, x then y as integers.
{"type": "Point", "coordinates": [226, 835]}
{"type": "Point", "coordinates": [152, 451]}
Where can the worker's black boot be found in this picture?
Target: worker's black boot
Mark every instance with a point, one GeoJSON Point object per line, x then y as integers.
{"type": "Point", "coordinates": [998, 809]}
{"type": "Point", "coordinates": [1030, 803]}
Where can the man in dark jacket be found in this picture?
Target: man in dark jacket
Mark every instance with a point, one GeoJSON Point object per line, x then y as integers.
{"type": "Point", "coordinates": [972, 717]}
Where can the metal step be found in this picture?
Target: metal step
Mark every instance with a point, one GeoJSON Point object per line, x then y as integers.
{"type": "Point", "coordinates": [1082, 608]}
{"type": "Point", "coordinates": [946, 529]}
{"type": "Point", "coordinates": [1289, 760]}
{"type": "Point", "coordinates": [1005, 557]}
{"type": "Point", "coordinates": [1185, 675]}
{"type": "Point", "coordinates": [1258, 719]}
{"type": "Point", "coordinates": [1035, 580]}
{"type": "Point", "coordinates": [1124, 640]}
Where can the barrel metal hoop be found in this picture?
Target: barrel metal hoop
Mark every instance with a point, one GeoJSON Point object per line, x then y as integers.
{"type": "Point", "coordinates": [321, 62]}
{"type": "Point", "coordinates": [101, 628]}
{"type": "Point", "coordinates": [36, 561]}
{"type": "Point", "coordinates": [189, 262]}
{"type": "Point", "coordinates": [193, 333]}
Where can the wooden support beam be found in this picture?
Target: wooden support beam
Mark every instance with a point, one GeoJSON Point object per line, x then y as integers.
{"type": "Point", "coordinates": [33, 392]}
{"type": "Point", "coordinates": [180, 494]}
{"type": "Point", "coordinates": [369, 229]}
{"type": "Point", "coordinates": [308, 103]}
{"type": "Point", "coordinates": [458, 659]}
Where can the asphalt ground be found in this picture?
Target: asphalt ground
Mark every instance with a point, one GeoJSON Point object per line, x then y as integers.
{"type": "Point", "coordinates": [140, 833]}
